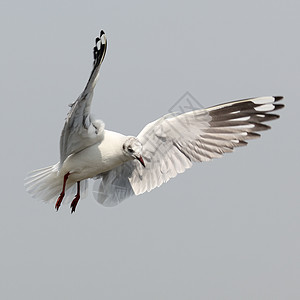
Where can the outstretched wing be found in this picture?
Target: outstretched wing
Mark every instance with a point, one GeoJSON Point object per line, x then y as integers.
{"type": "Point", "coordinates": [113, 187]}
{"type": "Point", "coordinates": [80, 129]}
{"type": "Point", "coordinates": [172, 143]}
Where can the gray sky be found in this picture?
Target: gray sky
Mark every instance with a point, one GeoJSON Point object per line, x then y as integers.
{"type": "Point", "coordinates": [228, 229]}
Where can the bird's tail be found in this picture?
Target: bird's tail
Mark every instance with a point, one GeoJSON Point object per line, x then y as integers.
{"type": "Point", "coordinates": [46, 184]}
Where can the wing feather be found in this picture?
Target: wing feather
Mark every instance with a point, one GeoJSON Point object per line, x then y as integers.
{"type": "Point", "coordinates": [172, 143]}
{"type": "Point", "coordinates": [81, 129]}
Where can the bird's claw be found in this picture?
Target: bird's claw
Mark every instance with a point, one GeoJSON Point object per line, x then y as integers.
{"type": "Point", "coordinates": [59, 200]}
{"type": "Point", "coordinates": [74, 203]}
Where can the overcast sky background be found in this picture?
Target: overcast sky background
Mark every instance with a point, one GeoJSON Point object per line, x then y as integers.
{"type": "Point", "coordinates": [227, 229]}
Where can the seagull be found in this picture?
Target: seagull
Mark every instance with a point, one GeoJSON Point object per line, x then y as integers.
{"type": "Point", "coordinates": [123, 166]}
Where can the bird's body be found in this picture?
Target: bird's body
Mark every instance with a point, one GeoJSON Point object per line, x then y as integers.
{"type": "Point", "coordinates": [124, 165]}
{"type": "Point", "coordinates": [97, 158]}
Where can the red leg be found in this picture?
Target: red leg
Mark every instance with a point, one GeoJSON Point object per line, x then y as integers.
{"type": "Point", "coordinates": [76, 199]}
{"type": "Point", "coordinates": [62, 194]}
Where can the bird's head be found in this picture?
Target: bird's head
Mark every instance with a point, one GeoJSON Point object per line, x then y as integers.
{"type": "Point", "coordinates": [133, 148]}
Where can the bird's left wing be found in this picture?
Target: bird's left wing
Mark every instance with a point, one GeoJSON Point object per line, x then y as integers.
{"type": "Point", "coordinates": [112, 187]}
{"type": "Point", "coordinates": [80, 129]}
{"type": "Point", "coordinates": [172, 143]}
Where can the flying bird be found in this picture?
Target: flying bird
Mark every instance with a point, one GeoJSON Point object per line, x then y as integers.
{"type": "Point", "coordinates": [126, 165]}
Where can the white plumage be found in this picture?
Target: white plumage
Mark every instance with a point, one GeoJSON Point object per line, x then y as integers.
{"type": "Point", "coordinates": [124, 166]}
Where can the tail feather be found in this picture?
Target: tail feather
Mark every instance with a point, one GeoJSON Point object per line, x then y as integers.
{"type": "Point", "coordinates": [46, 184]}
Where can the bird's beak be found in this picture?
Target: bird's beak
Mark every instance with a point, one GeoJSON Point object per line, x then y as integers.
{"type": "Point", "coordinates": [140, 159]}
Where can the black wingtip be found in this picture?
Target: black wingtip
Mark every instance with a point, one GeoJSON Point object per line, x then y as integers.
{"type": "Point", "coordinates": [278, 98]}
{"type": "Point", "coordinates": [278, 106]}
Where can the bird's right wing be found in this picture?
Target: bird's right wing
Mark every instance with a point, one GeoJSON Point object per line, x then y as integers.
{"type": "Point", "coordinates": [80, 129]}
{"type": "Point", "coordinates": [172, 143]}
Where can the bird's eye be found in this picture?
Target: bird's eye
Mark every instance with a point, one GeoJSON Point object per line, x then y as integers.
{"type": "Point", "coordinates": [130, 150]}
